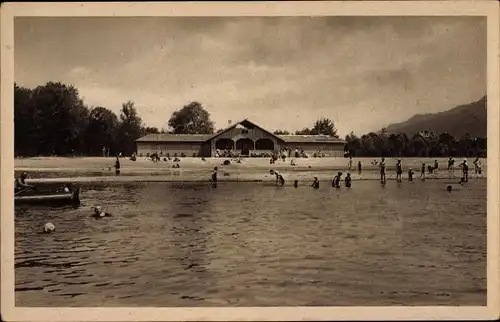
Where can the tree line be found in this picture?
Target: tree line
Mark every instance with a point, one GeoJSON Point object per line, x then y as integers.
{"type": "Point", "coordinates": [52, 119]}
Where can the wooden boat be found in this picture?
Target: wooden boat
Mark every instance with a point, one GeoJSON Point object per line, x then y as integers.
{"type": "Point", "coordinates": [59, 198]}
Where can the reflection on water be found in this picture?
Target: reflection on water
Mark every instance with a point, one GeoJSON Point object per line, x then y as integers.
{"type": "Point", "coordinates": [186, 244]}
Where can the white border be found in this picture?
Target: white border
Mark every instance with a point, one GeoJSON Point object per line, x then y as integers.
{"type": "Point", "coordinates": [379, 8]}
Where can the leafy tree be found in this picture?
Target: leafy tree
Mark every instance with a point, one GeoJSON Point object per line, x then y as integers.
{"type": "Point", "coordinates": [60, 119]}
{"type": "Point", "coordinates": [191, 119]}
{"type": "Point", "coordinates": [324, 126]}
{"type": "Point", "coordinates": [353, 144]}
{"type": "Point", "coordinates": [281, 132]}
{"type": "Point", "coordinates": [102, 130]}
{"type": "Point", "coordinates": [23, 121]}
{"type": "Point", "coordinates": [304, 131]}
{"type": "Point", "coordinates": [151, 130]}
{"type": "Point", "coordinates": [130, 128]}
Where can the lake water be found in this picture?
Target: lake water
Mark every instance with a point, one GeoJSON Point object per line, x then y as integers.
{"type": "Point", "coordinates": [254, 244]}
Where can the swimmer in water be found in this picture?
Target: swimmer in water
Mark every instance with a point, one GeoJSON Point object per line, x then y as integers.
{"type": "Point", "coordinates": [410, 174]}
{"type": "Point", "coordinates": [336, 180]}
{"type": "Point", "coordinates": [98, 213]}
{"type": "Point", "coordinates": [399, 171]}
{"type": "Point", "coordinates": [315, 183]}
{"type": "Point", "coordinates": [347, 180]}
{"type": "Point", "coordinates": [382, 170]}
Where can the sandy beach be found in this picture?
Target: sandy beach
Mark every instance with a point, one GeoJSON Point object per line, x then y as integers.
{"type": "Point", "coordinates": [99, 169]}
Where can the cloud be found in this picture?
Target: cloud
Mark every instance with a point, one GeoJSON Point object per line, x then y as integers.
{"type": "Point", "coordinates": [364, 72]}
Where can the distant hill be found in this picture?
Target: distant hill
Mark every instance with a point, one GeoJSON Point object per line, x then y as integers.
{"type": "Point", "coordinates": [469, 118]}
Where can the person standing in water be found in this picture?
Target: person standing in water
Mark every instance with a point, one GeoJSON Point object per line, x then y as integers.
{"type": "Point", "coordinates": [214, 175]}
{"type": "Point", "coordinates": [465, 171]}
{"type": "Point", "coordinates": [410, 174]}
{"type": "Point", "coordinates": [347, 180]}
{"type": "Point", "coordinates": [477, 166]}
{"type": "Point", "coordinates": [315, 183]}
{"type": "Point", "coordinates": [382, 170]}
{"type": "Point", "coordinates": [399, 171]}
{"type": "Point", "coordinates": [117, 166]}
{"type": "Point", "coordinates": [359, 167]}
{"type": "Point", "coordinates": [422, 171]}
{"type": "Point", "coordinates": [349, 165]}
{"type": "Point", "coordinates": [436, 165]}
{"type": "Point", "coordinates": [336, 180]}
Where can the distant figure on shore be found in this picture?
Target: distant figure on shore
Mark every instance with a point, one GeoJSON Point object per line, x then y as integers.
{"type": "Point", "coordinates": [214, 175]}
{"type": "Point", "coordinates": [349, 165]}
{"type": "Point", "coordinates": [382, 170]}
{"type": "Point", "coordinates": [430, 169]}
{"type": "Point", "coordinates": [336, 180]}
{"type": "Point", "coordinates": [399, 171]}
{"type": "Point", "coordinates": [296, 183]}
{"type": "Point", "coordinates": [465, 171]}
{"type": "Point", "coordinates": [410, 174]}
{"type": "Point", "coordinates": [315, 183]}
{"type": "Point", "coordinates": [117, 166]}
{"type": "Point", "coordinates": [477, 166]}
{"type": "Point", "coordinates": [422, 171]}
{"type": "Point", "coordinates": [436, 165]}
{"type": "Point", "coordinates": [20, 183]}
{"type": "Point", "coordinates": [359, 167]}
{"type": "Point", "coordinates": [348, 180]}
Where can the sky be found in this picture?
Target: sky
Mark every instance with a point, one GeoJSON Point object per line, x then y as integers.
{"type": "Point", "coordinates": [279, 72]}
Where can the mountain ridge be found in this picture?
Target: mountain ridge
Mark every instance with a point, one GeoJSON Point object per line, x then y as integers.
{"type": "Point", "coordinates": [466, 118]}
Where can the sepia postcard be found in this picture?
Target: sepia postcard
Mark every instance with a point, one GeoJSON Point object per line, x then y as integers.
{"type": "Point", "coordinates": [250, 161]}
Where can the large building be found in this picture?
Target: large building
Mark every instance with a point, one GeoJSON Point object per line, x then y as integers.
{"type": "Point", "coordinates": [244, 138]}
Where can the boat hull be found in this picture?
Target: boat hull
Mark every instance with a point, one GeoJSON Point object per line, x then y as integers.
{"type": "Point", "coordinates": [68, 198]}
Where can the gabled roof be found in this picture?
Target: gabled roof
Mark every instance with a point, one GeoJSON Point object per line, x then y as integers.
{"type": "Point", "coordinates": [310, 138]}
{"type": "Point", "coordinates": [198, 138]}
{"type": "Point", "coordinates": [245, 122]}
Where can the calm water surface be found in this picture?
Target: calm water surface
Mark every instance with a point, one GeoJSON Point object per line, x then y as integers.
{"type": "Point", "coordinates": [253, 244]}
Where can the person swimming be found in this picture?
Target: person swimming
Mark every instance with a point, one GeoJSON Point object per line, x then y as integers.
{"type": "Point", "coordinates": [399, 171]}
{"type": "Point", "coordinates": [98, 213]}
{"type": "Point", "coordinates": [348, 180]}
{"type": "Point", "coordinates": [410, 174]}
{"type": "Point", "coordinates": [315, 183]}
{"type": "Point", "coordinates": [336, 180]}
{"type": "Point", "coordinates": [382, 170]}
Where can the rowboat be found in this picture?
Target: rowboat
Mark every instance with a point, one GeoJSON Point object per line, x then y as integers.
{"type": "Point", "coordinates": [59, 198]}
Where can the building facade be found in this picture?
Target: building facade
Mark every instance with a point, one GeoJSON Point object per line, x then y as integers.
{"type": "Point", "coordinates": [244, 138]}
